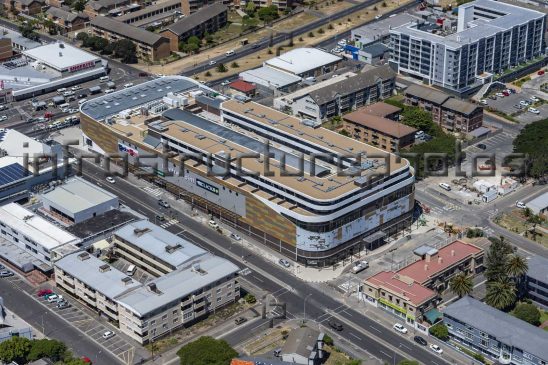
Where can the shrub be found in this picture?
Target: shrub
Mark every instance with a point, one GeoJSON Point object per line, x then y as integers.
{"type": "Point", "coordinates": [440, 331]}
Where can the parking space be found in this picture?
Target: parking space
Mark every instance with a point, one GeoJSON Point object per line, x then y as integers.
{"type": "Point", "coordinates": [530, 117]}
{"type": "Point", "coordinates": [513, 105]}
{"type": "Point", "coordinates": [139, 275]}
{"type": "Point", "coordinates": [500, 144]}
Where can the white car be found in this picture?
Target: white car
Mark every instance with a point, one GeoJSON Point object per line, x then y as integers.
{"type": "Point", "coordinates": [378, 16]}
{"type": "Point", "coordinates": [360, 266]}
{"type": "Point", "coordinates": [235, 236]}
{"type": "Point", "coordinates": [108, 91]}
{"type": "Point", "coordinates": [110, 179]}
{"type": "Point", "coordinates": [213, 224]}
{"type": "Point", "coordinates": [534, 98]}
{"type": "Point", "coordinates": [524, 103]}
{"type": "Point", "coordinates": [72, 111]}
{"type": "Point", "coordinates": [436, 349]}
{"type": "Point", "coordinates": [400, 328]}
{"type": "Point", "coordinates": [212, 62]}
{"type": "Point", "coordinates": [77, 87]}
{"type": "Point", "coordinates": [108, 334]}
{"type": "Point", "coordinates": [534, 110]}
{"type": "Point", "coordinates": [521, 205]}
{"type": "Point", "coordinates": [129, 84]}
{"type": "Point", "coordinates": [500, 95]}
{"type": "Point", "coordinates": [483, 102]}
{"type": "Point", "coordinates": [3, 117]}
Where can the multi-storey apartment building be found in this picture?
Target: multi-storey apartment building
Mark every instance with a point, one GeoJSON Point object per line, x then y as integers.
{"type": "Point", "coordinates": [316, 216]}
{"type": "Point", "coordinates": [450, 113]}
{"type": "Point", "coordinates": [189, 283]}
{"type": "Point", "coordinates": [206, 20]}
{"type": "Point", "coordinates": [495, 334]}
{"type": "Point", "coordinates": [536, 280]}
{"type": "Point", "coordinates": [491, 36]}
{"type": "Point", "coordinates": [339, 95]}
{"type": "Point", "coordinates": [149, 45]}
{"type": "Point", "coordinates": [66, 19]}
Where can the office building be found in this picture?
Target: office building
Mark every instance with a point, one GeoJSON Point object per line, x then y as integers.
{"type": "Point", "coordinates": [399, 295]}
{"type": "Point", "coordinates": [338, 95]}
{"type": "Point", "coordinates": [491, 36]}
{"type": "Point", "coordinates": [495, 334]}
{"type": "Point", "coordinates": [536, 281]}
{"type": "Point", "coordinates": [206, 20]}
{"type": "Point", "coordinates": [379, 30]}
{"type": "Point", "coordinates": [78, 200]}
{"type": "Point", "coordinates": [24, 233]}
{"type": "Point", "coordinates": [451, 114]}
{"type": "Point", "coordinates": [315, 217]}
{"type": "Point", "coordinates": [149, 45]}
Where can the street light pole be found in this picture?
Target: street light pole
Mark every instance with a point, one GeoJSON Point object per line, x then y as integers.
{"type": "Point", "coordinates": [304, 307]}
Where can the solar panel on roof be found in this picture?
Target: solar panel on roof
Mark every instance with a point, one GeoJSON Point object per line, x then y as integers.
{"type": "Point", "coordinates": [11, 173]}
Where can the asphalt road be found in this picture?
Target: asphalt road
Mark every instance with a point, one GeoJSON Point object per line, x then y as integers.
{"type": "Point", "coordinates": [38, 315]}
{"type": "Point", "coordinates": [358, 329]}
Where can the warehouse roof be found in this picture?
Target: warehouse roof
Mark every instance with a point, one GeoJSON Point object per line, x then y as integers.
{"type": "Point", "coordinates": [301, 60]}
{"type": "Point", "coordinates": [376, 50]}
{"type": "Point", "coordinates": [505, 328]}
{"type": "Point", "coordinates": [201, 16]}
{"type": "Point", "coordinates": [35, 227]}
{"type": "Point", "coordinates": [426, 93]}
{"type": "Point", "coordinates": [177, 284]}
{"type": "Point", "coordinates": [380, 124]}
{"type": "Point", "coordinates": [96, 274]}
{"type": "Point", "coordinates": [59, 55]}
{"type": "Point", "coordinates": [159, 243]}
{"type": "Point", "coordinates": [539, 203]}
{"type": "Point", "coordinates": [352, 84]}
{"type": "Point", "coordinates": [78, 194]}
{"type": "Point", "coordinates": [270, 77]}
{"type": "Point", "coordinates": [128, 31]}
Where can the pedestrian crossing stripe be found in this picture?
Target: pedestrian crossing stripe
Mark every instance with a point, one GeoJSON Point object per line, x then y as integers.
{"type": "Point", "coordinates": [153, 191]}
{"type": "Point", "coordinates": [170, 223]}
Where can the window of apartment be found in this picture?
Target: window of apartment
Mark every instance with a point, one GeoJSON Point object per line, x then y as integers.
{"type": "Point", "coordinates": [164, 326]}
{"type": "Point", "coordinates": [187, 315]}
{"type": "Point", "coordinates": [175, 312]}
{"type": "Point", "coordinates": [164, 317]}
{"type": "Point", "coordinates": [218, 290]}
{"type": "Point", "coordinates": [219, 299]}
{"type": "Point", "coordinates": [229, 294]}
{"type": "Point", "coordinates": [485, 343]}
{"type": "Point", "coordinates": [153, 322]}
{"type": "Point", "coordinates": [175, 320]}
{"type": "Point", "coordinates": [229, 286]}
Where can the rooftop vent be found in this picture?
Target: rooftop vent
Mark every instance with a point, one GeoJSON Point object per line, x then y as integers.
{"type": "Point", "coordinates": [83, 256]}
{"type": "Point", "coordinates": [197, 269]}
{"type": "Point", "coordinates": [104, 268]}
{"type": "Point", "coordinates": [27, 217]}
{"type": "Point", "coordinates": [200, 136]}
{"type": "Point", "coordinates": [171, 249]}
{"type": "Point", "coordinates": [140, 231]}
{"type": "Point", "coordinates": [153, 288]}
{"type": "Point", "coordinates": [61, 45]}
{"type": "Point", "coordinates": [127, 280]}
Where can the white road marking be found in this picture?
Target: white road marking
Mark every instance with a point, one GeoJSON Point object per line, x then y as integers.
{"type": "Point", "coordinates": [353, 335]}
{"type": "Point", "coordinates": [375, 329]}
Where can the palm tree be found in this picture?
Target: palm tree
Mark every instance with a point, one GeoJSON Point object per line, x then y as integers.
{"type": "Point", "coordinates": [461, 285]}
{"type": "Point", "coordinates": [516, 266]}
{"type": "Point", "coordinates": [500, 294]}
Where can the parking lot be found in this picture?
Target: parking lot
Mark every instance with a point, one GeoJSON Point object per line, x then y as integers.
{"type": "Point", "coordinates": [511, 105]}
{"type": "Point", "coordinates": [81, 318]}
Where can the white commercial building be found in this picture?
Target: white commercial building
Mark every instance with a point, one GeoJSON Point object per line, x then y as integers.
{"type": "Point", "coordinates": [78, 200]}
{"type": "Point", "coordinates": [32, 234]}
{"type": "Point", "coordinates": [305, 62]}
{"type": "Point", "coordinates": [46, 68]}
{"type": "Point", "coordinates": [539, 205]}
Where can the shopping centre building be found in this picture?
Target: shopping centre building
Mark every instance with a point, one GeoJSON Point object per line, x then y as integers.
{"type": "Point", "coordinates": [318, 198]}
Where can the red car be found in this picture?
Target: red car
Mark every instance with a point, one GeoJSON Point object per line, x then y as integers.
{"type": "Point", "coordinates": [540, 73]}
{"type": "Point", "coordinates": [506, 93]}
{"type": "Point", "coordinates": [48, 115]}
{"type": "Point", "coordinates": [43, 292]}
{"type": "Point", "coordinates": [86, 360]}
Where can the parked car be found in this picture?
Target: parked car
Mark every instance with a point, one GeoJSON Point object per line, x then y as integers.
{"type": "Point", "coordinates": [500, 95]}
{"type": "Point", "coordinates": [284, 263]}
{"type": "Point", "coordinates": [5, 273]}
{"type": "Point", "coordinates": [212, 62]}
{"type": "Point", "coordinates": [518, 106]}
{"type": "Point", "coordinates": [483, 102]}
{"type": "Point", "coordinates": [43, 292]}
{"type": "Point", "coordinates": [534, 99]}
{"type": "Point", "coordinates": [82, 95]}
{"type": "Point", "coordinates": [3, 107]}
{"type": "Point", "coordinates": [129, 84]}
{"type": "Point", "coordinates": [108, 334]}
{"type": "Point", "coordinates": [521, 205]}
{"type": "Point", "coordinates": [400, 328]}
{"type": "Point", "coordinates": [213, 224]}
{"type": "Point", "coordinates": [524, 102]}
{"type": "Point", "coordinates": [76, 87]}
{"type": "Point", "coordinates": [336, 325]}
{"type": "Point", "coordinates": [481, 146]}
{"type": "Point", "coordinates": [506, 93]}
{"type": "Point", "coordinates": [534, 110]}
{"type": "Point", "coordinates": [360, 266]}
{"type": "Point", "coordinates": [160, 218]}
{"type": "Point", "coordinates": [108, 91]}
{"type": "Point", "coordinates": [492, 97]}
{"type": "Point", "coordinates": [163, 203]}
{"type": "Point", "coordinates": [3, 117]}
{"type": "Point", "coordinates": [420, 340]}
{"type": "Point", "coordinates": [235, 236]}
{"type": "Point", "coordinates": [63, 304]}
{"type": "Point", "coordinates": [52, 298]}
{"type": "Point", "coordinates": [540, 72]}
{"type": "Point", "coordinates": [238, 321]}
{"type": "Point", "coordinates": [110, 179]}
{"type": "Point", "coordinates": [436, 349]}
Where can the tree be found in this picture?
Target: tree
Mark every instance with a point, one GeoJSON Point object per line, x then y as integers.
{"type": "Point", "coordinates": [250, 8]}
{"type": "Point", "coordinates": [310, 34]}
{"type": "Point", "coordinates": [207, 74]}
{"type": "Point", "coordinates": [496, 259]}
{"type": "Point", "coordinates": [79, 5]}
{"type": "Point", "coordinates": [52, 349]}
{"type": "Point", "coordinates": [516, 266]}
{"type": "Point", "coordinates": [206, 351]}
{"type": "Point", "coordinates": [500, 294]}
{"type": "Point", "coordinates": [15, 349]}
{"type": "Point", "coordinates": [194, 40]}
{"type": "Point", "coordinates": [221, 67]}
{"type": "Point", "coordinates": [234, 65]}
{"type": "Point", "coordinates": [27, 31]}
{"type": "Point", "coordinates": [328, 340]}
{"type": "Point", "coordinates": [461, 285]}
{"type": "Point", "coordinates": [125, 50]}
{"type": "Point", "coordinates": [268, 13]}
{"type": "Point", "coordinates": [82, 36]}
{"type": "Point", "coordinates": [99, 44]}
{"type": "Point", "coordinates": [528, 141]}
{"type": "Point", "coordinates": [440, 331]}
{"type": "Point", "coordinates": [528, 313]}
{"type": "Point", "coordinates": [150, 28]}
{"type": "Point", "coordinates": [419, 119]}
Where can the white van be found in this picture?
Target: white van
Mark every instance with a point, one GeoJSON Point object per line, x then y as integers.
{"type": "Point", "coordinates": [229, 53]}
{"type": "Point", "coordinates": [104, 79]}
{"type": "Point", "coordinates": [131, 270]}
{"type": "Point", "coordinates": [82, 101]}
{"type": "Point", "coordinates": [445, 186]}
{"type": "Point", "coordinates": [64, 106]}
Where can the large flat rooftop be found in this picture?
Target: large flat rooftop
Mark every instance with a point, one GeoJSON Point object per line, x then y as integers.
{"type": "Point", "coordinates": [301, 60]}
{"type": "Point", "coordinates": [60, 55]}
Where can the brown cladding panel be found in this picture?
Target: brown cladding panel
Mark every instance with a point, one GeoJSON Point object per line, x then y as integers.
{"type": "Point", "coordinates": [262, 217]}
